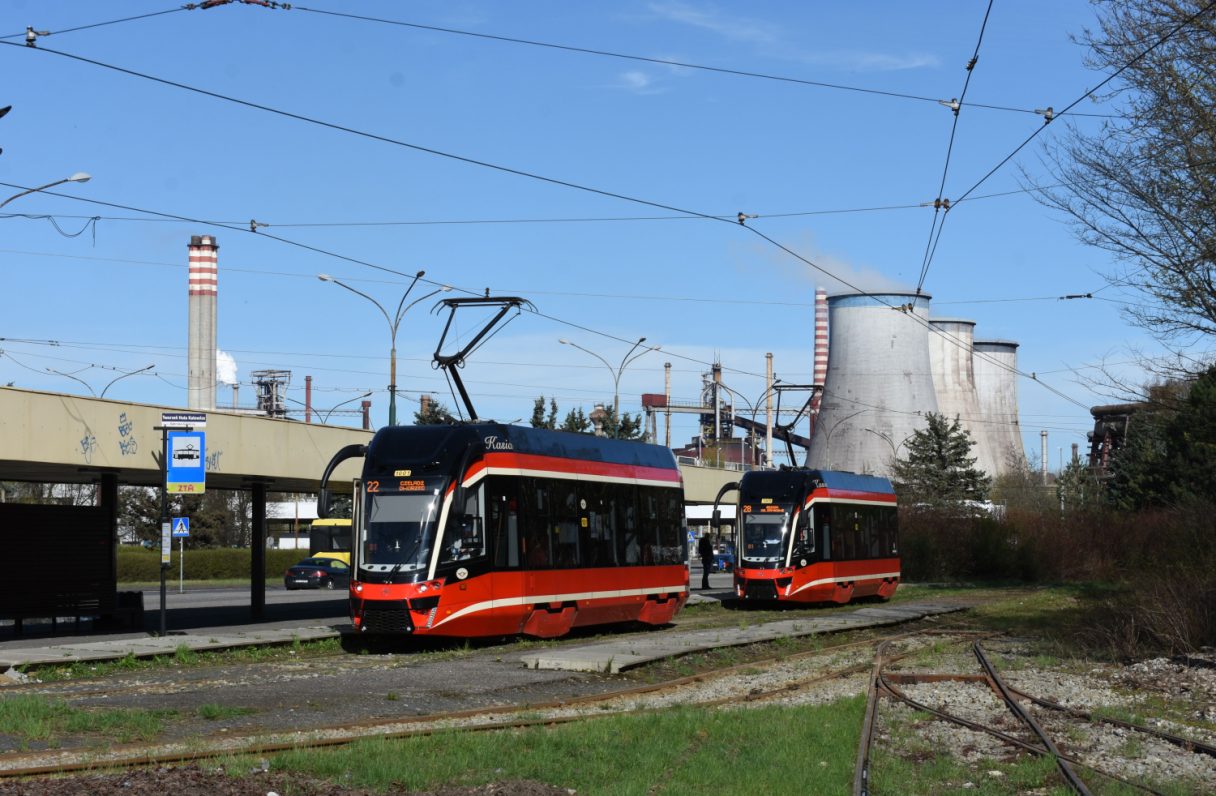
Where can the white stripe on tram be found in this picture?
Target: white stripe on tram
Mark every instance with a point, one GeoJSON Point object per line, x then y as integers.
{"type": "Point", "coordinates": [511, 602]}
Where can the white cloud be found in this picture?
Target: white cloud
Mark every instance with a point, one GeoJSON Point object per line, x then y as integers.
{"type": "Point", "coordinates": [736, 28]}
{"type": "Point", "coordinates": [225, 367]}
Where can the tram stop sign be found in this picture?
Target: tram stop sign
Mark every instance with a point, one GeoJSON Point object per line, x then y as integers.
{"type": "Point", "coordinates": [186, 456]}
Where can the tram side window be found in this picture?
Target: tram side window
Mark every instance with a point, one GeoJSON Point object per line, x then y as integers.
{"type": "Point", "coordinates": [564, 523]}
{"type": "Point", "coordinates": [502, 520]}
{"type": "Point", "coordinates": [629, 543]}
{"type": "Point", "coordinates": [672, 534]}
{"type": "Point", "coordinates": [599, 533]}
{"type": "Point", "coordinates": [823, 527]}
{"type": "Point", "coordinates": [804, 536]}
{"type": "Point", "coordinates": [536, 523]}
{"type": "Point", "coordinates": [648, 508]}
{"type": "Point", "coordinates": [464, 537]}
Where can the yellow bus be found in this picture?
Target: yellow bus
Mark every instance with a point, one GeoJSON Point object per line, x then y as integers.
{"type": "Point", "coordinates": [330, 538]}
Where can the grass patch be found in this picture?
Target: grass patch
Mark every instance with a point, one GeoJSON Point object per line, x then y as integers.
{"type": "Point", "coordinates": [186, 658]}
{"type": "Point", "coordinates": [38, 718]}
{"type": "Point", "coordinates": [686, 750]}
{"type": "Point", "coordinates": [216, 712]}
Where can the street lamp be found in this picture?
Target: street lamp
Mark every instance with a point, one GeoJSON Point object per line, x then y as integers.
{"type": "Point", "coordinates": [79, 176]}
{"type": "Point", "coordinates": [616, 372]}
{"type": "Point", "coordinates": [753, 408]}
{"type": "Point", "coordinates": [393, 322]}
{"type": "Point", "coordinates": [325, 419]}
{"type": "Point", "coordinates": [123, 376]}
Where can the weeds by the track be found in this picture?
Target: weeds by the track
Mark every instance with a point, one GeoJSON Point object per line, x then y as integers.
{"type": "Point", "coordinates": [32, 717]}
{"type": "Point", "coordinates": [686, 750]}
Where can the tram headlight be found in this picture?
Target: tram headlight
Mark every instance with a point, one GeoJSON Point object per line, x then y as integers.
{"type": "Point", "coordinates": [359, 588]}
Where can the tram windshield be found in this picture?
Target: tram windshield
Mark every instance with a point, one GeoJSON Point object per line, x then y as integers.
{"type": "Point", "coordinates": [764, 534]}
{"type": "Point", "coordinates": [398, 531]}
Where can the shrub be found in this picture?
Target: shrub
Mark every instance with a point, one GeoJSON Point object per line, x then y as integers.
{"type": "Point", "coordinates": [138, 564]}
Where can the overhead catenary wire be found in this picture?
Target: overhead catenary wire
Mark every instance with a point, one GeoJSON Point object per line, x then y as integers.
{"type": "Point", "coordinates": [1068, 109]}
{"type": "Point", "coordinates": [753, 230]}
{"type": "Point", "coordinates": [460, 158]}
{"type": "Point", "coordinates": [658, 61]}
{"type": "Point", "coordinates": [92, 25]}
{"type": "Point", "coordinates": [940, 200]}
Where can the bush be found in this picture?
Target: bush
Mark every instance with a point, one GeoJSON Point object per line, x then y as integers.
{"type": "Point", "coordinates": [138, 564]}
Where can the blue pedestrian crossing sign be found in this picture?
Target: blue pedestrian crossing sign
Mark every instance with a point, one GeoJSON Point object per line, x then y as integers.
{"type": "Point", "coordinates": [181, 527]}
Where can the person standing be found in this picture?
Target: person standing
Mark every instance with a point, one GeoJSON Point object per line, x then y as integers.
{"type": "Point", "coordinates": [705, 548]}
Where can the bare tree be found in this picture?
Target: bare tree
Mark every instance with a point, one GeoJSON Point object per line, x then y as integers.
{"type": "Point", "coordinates": [1143, 186]}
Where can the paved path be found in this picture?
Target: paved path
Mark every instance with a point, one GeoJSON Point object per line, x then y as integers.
{"type": "Point", "coordinates": [618, 655]}
{"type": "Point", "coordinates": [610, 656]}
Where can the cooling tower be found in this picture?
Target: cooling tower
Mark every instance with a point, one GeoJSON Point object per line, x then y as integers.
{"type": "Point", "coordinates": [203, 288]}
{"type": "Point", "coordinates": [995, 363]}
{"type": "Point", "coordinates": [879, 383]}
{"type": "Point", "coordinates": [951, 341]}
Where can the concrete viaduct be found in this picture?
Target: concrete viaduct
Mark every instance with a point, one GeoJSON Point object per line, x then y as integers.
{"type": "Point", "coordinates": [58, 438]}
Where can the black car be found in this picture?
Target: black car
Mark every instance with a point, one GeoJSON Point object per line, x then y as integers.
{"type": "Point", "coordinates": [317, 573]}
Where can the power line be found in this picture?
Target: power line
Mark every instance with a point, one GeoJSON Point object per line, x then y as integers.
{"type": "Point", "coordinates": [1050, 114]}
{"type": "Point", "coordinates": [955, 106]}
{"type": "Point", "coordinates": [25, 33]}
{"type": "Point", "coordinates": [658, 61]}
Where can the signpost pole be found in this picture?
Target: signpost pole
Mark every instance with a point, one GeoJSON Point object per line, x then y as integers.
{"type": "Point", "coordinates": [181, 563]}
{"type": "Point", "coordinates": [165, 543]}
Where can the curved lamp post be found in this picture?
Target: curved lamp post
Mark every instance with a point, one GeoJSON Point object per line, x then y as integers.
{"type": "Point", "coordinates": [616, 372]}
{"type": "Point", "coordinates": [79, 176]}
{"type": "Point", "coordinates": [394, 321]}
{"type": "Point", "coordinates": [123, 376]}
{"type": "Point", "coordinates": [325, 419]}
{"type": "Point", "coordinates": [752, 409]}
{"type": "Point", "coordinates": [894, 448]}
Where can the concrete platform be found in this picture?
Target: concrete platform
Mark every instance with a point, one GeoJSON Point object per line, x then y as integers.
{"type": "Point", "coordinates": [616, 656]}
{"type": "Point", "coordinates": [82, 651]}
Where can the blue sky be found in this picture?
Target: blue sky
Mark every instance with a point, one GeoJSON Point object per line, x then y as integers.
{"type": "Point", "coordinates": [601, 270]}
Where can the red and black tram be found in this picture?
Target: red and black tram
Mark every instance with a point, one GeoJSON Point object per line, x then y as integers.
{"type": "Point", "coordinates": [811, 536]}
{"type": "Point", "coordinates": [485, 529]}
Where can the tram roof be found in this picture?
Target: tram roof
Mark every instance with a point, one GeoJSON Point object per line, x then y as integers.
{"type": "Point", "coordinates": [420, 441]}
{"type": "Point", "coordinates": [838, 480]}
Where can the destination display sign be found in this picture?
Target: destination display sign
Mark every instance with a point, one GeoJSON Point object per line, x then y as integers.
{"type": "Point", "coordinates": [183, 419]}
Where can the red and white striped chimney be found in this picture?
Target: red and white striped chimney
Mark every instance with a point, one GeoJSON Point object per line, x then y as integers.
{"type": "Point", "coordinates": [821, 350]}
{"type": "Point", "coordinates": [203, 295]}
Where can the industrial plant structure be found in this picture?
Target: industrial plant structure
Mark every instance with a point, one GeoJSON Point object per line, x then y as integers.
{"type": "Point", "coordinates": [203, 286]}
{"type": "Point", "coordinates": [889, 365]}
{"type": "Point", "coordinates": [879, 381]}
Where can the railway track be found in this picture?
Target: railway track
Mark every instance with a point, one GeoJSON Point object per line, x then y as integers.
{"type": "Point", "coordinates": [799, 672]}
{"type": "Point", "coordinates": [1033, 739]}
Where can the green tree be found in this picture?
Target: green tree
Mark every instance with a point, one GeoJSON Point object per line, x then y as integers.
{"type": "Point", "coordinates": [1143, 185]}
{"type": "Point", "coordinates": [1077, 489]}
{"type": "Point", "coordinates": [139, 512]}
{"type": "Point", "coordinates": [539, 418]}
{"type": "Point", "coordinates": [939, 469]}
{"type": "Point", "coordinates": [576, 420]}
{"type": "Point", "coordinates": [433, 413]}
{"type": "Point", "coordinates": [1169, 453]}
{"type": "Point", "coordinates": [626, 427]}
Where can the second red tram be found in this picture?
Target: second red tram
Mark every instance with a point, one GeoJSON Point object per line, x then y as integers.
{"type": "Point", "coordinates": [810, 536]}
{"type": "Point", "coordinates": [485, 529]}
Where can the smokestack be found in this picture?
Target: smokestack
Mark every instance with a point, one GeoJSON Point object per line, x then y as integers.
{"type": "Point", "coordinates": [1043, 440]}
{"type": "Point", "coordinates": [367, 415]}
{"type": "Point", "coordinates": [667, 403]}
{"type": "Point", "coordinates": [1076, 457]}
{"type": "Point", "coordinates": [768, 408]}
{"type": "Point", "coordinates": [203, 287]}
{"type": "Point", "coordinates": [821, 351]}
{"type": "Point", "coordinates": [879, 383]}
{"type": "Point", "coordinates": [308, 399]}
